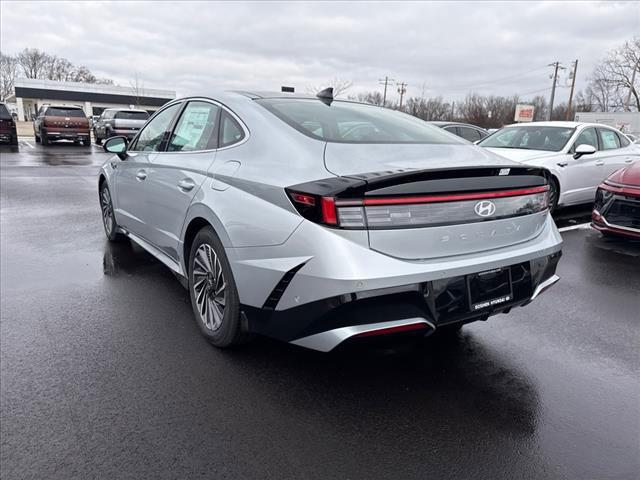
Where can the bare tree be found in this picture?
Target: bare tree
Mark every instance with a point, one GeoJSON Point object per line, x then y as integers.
{"type": "Point", "coordinates": [33, 62]}
{"type": "Point", "coordinates": [373, 98]}
{"type": "Point", "coordinates": [339, 87]}
{"type": "Point", "coordinates": [59, 69]}
{"type": "Point", "coordinates": [8, 71]}
{"type": "Point", "coordinates": [137, 87]}
{"type": "Point", "coordinates": [611, 81]}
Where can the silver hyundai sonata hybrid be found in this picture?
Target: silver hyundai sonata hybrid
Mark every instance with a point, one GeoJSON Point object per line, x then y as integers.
{"type": "Point", "coordinates": [313, 220]}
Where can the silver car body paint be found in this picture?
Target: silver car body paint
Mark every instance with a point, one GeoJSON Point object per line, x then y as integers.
{"type": "Point", "coordinates": [239, 191]}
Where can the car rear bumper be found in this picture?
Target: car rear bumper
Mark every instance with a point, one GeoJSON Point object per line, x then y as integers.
{"type": "Point", "coordinates": [310, 286]}
{"type": "Point", "coordinates": [61, 134]}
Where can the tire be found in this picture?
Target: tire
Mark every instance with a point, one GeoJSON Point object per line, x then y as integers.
{"type": "Point", "coordinates": [37, 138]}
{"type": "Point", "coordinates": [98, 139]}
{"type": "Point", "coordinates": [87, 141]}
{"type": "Point", "coordinates": [214, 298]}
{"type": "Point", "coordinates": [44, 139]}
{"type": "Point", "coordinates": [107, 134]}
{"type": "Point", "coordinates": [108, 218]}
{"type": "Point", "coordinates": [554, 194]}
{"type": "Point", "coordinates": [13, 140]}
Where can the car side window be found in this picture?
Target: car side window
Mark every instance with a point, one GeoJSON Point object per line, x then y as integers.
{"type": "Point", "coordinates": [150, 139]}
{"type": "Point", "coordinates": [452, 129]}
{"type": "Point", "coordinates": [608, 139]}
{"type": "Point", "coordinates": [470, 134]}
{"type": "Point", "coordinates": [196, 129]}
{"type": "Point", "coordinates": [230, 130]}
{"type": "Point", "coordinates": [624, 141]}
{"type": "Point", "coordinates": [587, 137]}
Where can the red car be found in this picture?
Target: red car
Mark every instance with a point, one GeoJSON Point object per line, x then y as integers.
{"type": "Point", "coordinates": [617, 207]}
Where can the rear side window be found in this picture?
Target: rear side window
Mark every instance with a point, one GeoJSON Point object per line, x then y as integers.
{"type": "Point", "coordinates": [4, 113]}
{"type": "Point", "coordinates": [196, 129]}
{"type": "Point", "coordinates": [470, 134]}
{"type": "Point", "coordinates": [608, 139]}
{"type": "Point", "coordinates": [624, 141]}
{"type": "Point", "coordinates": [347, 122]}
{"type": "Point", "coordinates": [132, 115]}
{"type": "Point", "coordinates": [230, 130]}
{"type": "Point", "coordinates": [64, 112]}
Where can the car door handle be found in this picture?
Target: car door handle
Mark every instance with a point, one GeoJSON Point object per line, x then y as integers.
{"type": "Point", "coordinates": [563, 164]}
{"type": "Point", "coordinates": [141, 175]}
{"type": "Point", "coordinates": [628, 160]}
{"type": "Point", "coordinates": [600, 162]}
{"type": "Point", "coordinates": [186, 184]}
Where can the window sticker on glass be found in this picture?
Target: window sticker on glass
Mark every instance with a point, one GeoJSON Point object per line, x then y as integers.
{"type": "Point", "coordinates": [609, 139]}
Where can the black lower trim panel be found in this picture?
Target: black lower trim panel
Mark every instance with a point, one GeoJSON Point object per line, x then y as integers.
{"type": "Point", "coordinates": [442, 302]}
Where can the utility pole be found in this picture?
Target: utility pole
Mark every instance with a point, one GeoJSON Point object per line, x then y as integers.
{"type": "Point", "coordinates": [402, 89]}
{"type": "Point", "coordinates": [573, 85]}
{"type": "Point", "coordinates": [385, 81]}
{"type": "Point", "coordinates": [633, 79]}
{"type": "Point", "coordinates": [556, 66]}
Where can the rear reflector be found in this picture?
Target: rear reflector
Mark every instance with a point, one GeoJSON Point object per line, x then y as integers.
{"type": "Point", "coordinates": [386, 331]}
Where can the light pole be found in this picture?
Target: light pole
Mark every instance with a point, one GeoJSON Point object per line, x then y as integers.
{"type": "Point", "coordinates": [573, 84]}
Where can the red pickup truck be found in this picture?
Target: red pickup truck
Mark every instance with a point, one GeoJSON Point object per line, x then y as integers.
{"type": "Point", "coordinates": [61, 122]}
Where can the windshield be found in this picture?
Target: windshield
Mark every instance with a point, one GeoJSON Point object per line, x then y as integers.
{"type": "Point", "coordinates": [64, 112]}
{"type": "Point", "coordinates": [348, 122]}
{"type": "Point", "coordinates": [530, 137]}
{"type": "Point", "coordinates": [132, 115]}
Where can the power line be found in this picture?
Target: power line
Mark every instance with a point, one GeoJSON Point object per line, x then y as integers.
{"type": "Point", "coordinates": [491, 82]}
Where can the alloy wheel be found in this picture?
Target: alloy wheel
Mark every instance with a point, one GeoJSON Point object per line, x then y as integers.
{"type": "Point", "coordinates": [107, 210]}
{"type": "Point", "coordinates": [209, 287]}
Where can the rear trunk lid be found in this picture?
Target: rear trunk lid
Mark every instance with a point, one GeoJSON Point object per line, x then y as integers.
{"type": "Point", "coordinates": [128, 124]}
{"type": "Point", "coordinates": [429, 201]}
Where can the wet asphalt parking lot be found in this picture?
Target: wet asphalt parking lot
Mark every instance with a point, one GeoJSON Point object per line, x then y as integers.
{"type": "Point", "coordinates": [104, 373]}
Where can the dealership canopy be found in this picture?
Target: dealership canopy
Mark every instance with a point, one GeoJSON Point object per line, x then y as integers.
{"type": "Point", "coordinates": [31, 94]}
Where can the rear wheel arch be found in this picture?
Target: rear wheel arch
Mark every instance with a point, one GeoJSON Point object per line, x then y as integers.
{"type": "Point", "coordinates": [199, 217]}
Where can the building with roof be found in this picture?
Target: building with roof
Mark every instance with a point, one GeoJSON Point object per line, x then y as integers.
{"type": "Point", "coordinates": [31, 94]}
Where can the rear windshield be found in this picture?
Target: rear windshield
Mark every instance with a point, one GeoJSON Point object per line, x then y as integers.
{"type": "Point", "coordinates": [552, 139]}
{"type": "Point", "coordinates": [4, 113]}
{"type": "Point", "coordinates": [132, 115]}
{"type": "Point", "coordinates": [348, 122]}
{"type": "Point", "coordinates": [64, 112]}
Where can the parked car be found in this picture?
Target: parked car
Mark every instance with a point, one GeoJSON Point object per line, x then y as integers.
{"type": "Point", "coordinates": [464, 130]}
{"type": "Point", "coordinates": [119, 121]}
{"type": "Point", "coordinates": [285, 216]}
{"type": "Point", "coordinates": [617, 207]}
{"type": "Point", "coordinates": [61, 122]}
{"type": "Point", "coordinates": [8, 133]}
{"type": "Point", "coordinates": [578, 155]}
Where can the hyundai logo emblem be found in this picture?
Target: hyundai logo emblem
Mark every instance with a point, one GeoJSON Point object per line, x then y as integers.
{"type": "Point", "coordinates": [485, 208]}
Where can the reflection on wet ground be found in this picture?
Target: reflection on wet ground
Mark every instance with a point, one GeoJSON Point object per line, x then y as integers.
{"type": "Point", "coordinates": [104, 373]}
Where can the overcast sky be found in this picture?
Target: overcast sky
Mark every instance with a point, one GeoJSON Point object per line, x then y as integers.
{"type": "Point", "coordinates": [449, 47]}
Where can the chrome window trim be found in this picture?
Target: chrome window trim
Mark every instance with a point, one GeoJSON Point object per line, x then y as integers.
{"type": "Point", "coordinates": [222, 106]}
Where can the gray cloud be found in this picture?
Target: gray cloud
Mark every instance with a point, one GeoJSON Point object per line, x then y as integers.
{"type": "Point", "coordinates": [450, 47]}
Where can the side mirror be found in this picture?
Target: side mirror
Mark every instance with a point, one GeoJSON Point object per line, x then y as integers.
{"type": "Point", "coordinates": [584, 149]}
{"type": "Point", "coordinates": [117, 145]}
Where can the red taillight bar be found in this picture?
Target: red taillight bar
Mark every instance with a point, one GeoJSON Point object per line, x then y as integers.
{"type": "Point", "coordinates": [453, 197]}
